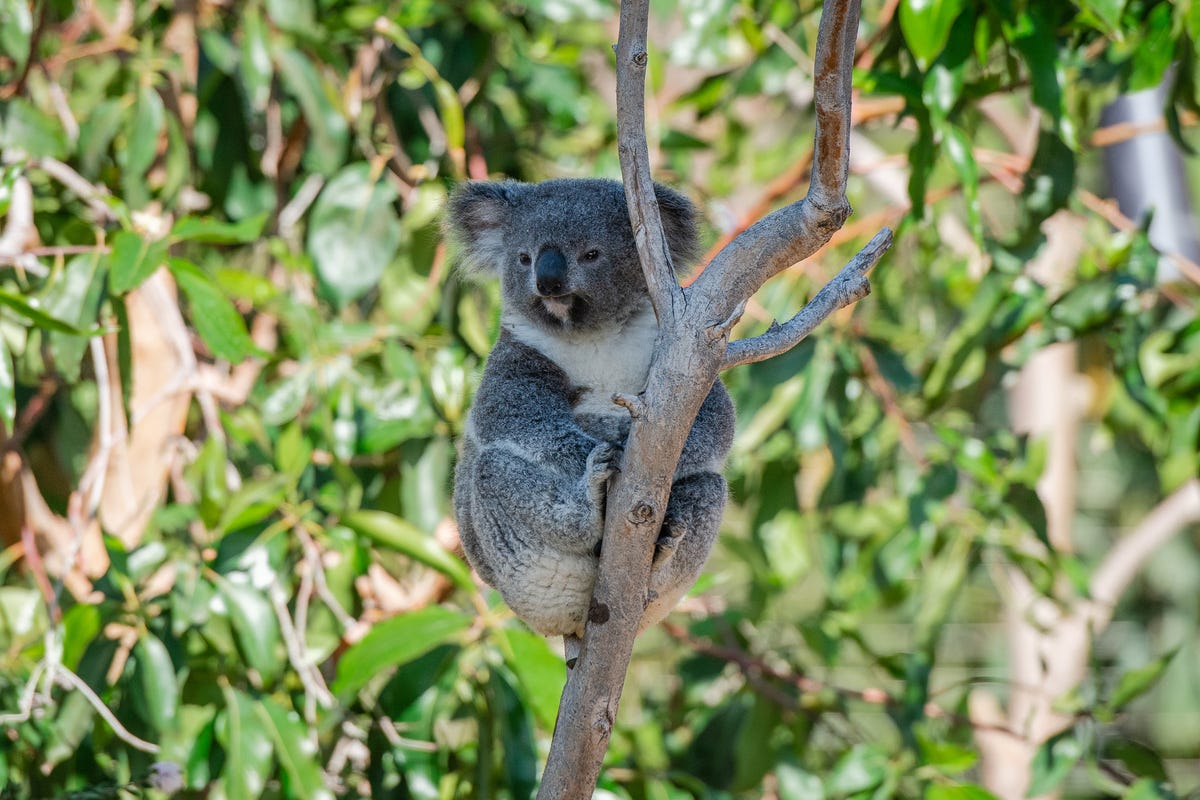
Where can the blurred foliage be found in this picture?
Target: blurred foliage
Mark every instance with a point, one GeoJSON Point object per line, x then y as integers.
{"type": "Point", "coordinates": [282, 617]}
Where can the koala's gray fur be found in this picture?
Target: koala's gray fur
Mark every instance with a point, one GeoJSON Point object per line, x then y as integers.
{"type": "Point", "coordinates": [543, 436]}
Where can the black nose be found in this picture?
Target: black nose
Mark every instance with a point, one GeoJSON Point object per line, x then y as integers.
{"type": "Point", "coordinates": [550, 272]}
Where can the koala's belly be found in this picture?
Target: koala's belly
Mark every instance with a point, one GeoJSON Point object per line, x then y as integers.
{"type": "Point", "coordinates": [551, 590]}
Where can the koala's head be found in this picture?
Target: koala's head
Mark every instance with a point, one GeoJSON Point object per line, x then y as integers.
{"type": "Point", "coordinates": [563, 249]}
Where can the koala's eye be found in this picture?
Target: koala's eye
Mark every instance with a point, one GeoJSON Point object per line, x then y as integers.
{"type": "Point", "coordinates": [525, 259]}
{"type": "Point", "coordinates": [590, 255]}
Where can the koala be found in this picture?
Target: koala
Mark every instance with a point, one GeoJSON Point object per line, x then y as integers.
{"type": "Point", "coordinates": [543, 436]}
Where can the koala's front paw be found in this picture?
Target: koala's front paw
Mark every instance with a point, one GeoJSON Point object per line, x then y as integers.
{"type": "Point", "coordinates": [602, 463]}
{"type": "Point", "coordinates": [673, 529]}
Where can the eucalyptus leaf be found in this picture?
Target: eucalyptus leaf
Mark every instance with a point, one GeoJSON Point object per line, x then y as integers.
{"type": "Point", "coordinates": [294, 750]}
{"type": "Point", "coordinates": [397, 533]}
{"type": "Point", "coordinates": [394, 642]}
{"type": "Point", "coordinates": [353, 233]}
{"type": "Point", "coordinates": [158, 695]}
{"type": "Point", "coordinates": [133, 259]}
{"type": "Point", "coordinates": [256, 627]}
{"type": "Point", "coordinates": [217, 321]}
{"type": "Point", "coordinates": [540, 672]}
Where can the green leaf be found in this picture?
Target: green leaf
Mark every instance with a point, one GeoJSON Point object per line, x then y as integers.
{"type": "Point", "coordinates": [1155, 52]}
{"type": "Point", "coordinates": [294, 751]}
{"type": "Point", "coordinates": [516, 734]}
{"type": "Point", "coordinates": [8, 396]}
{"type": "Point", "coordinates": [540, 671]}
{"type": "Point", "coordinates": [254, 502]}
{"type": "Point", "coordinates": [926, 26]}
{"type": "Point", "coordinates": [1149, 789]}
{"type": "Point", "coordinates": [81, 626]}
{"type": "Point", "coordinates": [157, 697]}
{"type": "Point", "coordinates": [329, 129]}
{"type": "Point", "coordinates": [393, 642]}
{"type": "Point", "coordinates": [256, 627]}
{"type": "Point", "coordinates": [948, 758]}
{"type": "Point", "coordinates": [417, 677]}
{"type": "Point", "coordinates": [133, 259]}
{"type": "Point", "coordinates": [248, 745]}
{"type": "Point", "coordinates": [215, 231]}
{"type": "Point", "coordinates": [353, 232]}
{"type": "Point", "coordinates": [286, 399]}
{"type": "Point", "coordinates": [292, 15]}
{"type": "Point", "coordinates": [1141, 760]}
{"type": "Point", "coordinates": [146, 126]}
{"type": "Point", "coordinates": [22, 615]}
{"type": "Point", "coordinates": [75, 298]}
{"type": "Point", "coordinates": [1034, 39]}
{"type": "Point", "coordinates": [25, 128]}
{"type": "Point", "coordinates": [957, 146]}
{"type": "Point", "coordinates": [797, 783]}
{"type": "Point", "coordinates": [1053, 761]}
{"type": "Point", "coordinates": [753, 754]}
{"type": "Point", "coordinates": [861, 769]}
{"type": "Point", "coordinates": [1028, 505]}
{"type": "Point", "coordinates": [1107, 13]}
{"type": "Point", "coordinates": [16, 28]}
{"type": "Point", "coordinates": [40, 319]}
{"type": "Point", "coordinates": [1136, 682]}
{"type": "Point", "coordinates": [217, 321]}
{"type": "Point", "coordinates": [399, 534]}
{"type": "Point", "coordinates": [256, 69]}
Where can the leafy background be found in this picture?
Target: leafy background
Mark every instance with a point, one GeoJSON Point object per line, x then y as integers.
{"type": "Point", "coordinates": [234, 359]}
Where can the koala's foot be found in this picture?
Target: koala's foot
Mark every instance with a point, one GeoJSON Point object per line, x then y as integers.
{"type": "Point", "coordinates": [673, 529]}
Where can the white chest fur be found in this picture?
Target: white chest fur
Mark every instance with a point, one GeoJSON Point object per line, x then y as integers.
{"type": "Point", "coordinates": [599, 363]}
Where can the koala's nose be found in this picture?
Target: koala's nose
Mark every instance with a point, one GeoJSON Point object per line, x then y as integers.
{"type": "Point", "coordinates": [550, 272]}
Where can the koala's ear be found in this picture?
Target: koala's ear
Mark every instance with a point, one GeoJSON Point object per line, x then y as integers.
{"type": "Point", "coordinates": [476, 217]}
{"type": "Point", "coordinates": [679, 224]}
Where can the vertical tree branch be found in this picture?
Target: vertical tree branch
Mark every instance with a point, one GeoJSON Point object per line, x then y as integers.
{"type": "Point", "coordinates": [690, 351]}
{"type": "Point", "coordinates": [634, 155]}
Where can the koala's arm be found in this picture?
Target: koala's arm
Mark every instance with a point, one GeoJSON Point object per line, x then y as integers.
{"type": "Point", "coordinates": [533, 474]}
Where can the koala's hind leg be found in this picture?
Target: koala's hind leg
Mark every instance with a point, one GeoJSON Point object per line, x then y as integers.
{"type": "Point", "coordinates": [689, 531]}
{"type": "Point", "coordinates": [693, 513]}
{"type": "Point", "coordinates": [527, 497]}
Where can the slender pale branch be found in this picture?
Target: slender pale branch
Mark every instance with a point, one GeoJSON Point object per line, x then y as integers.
{"type": "Point", "coordinates": [634, 155]}
{"type": "Point", "coordinates": [1127, 557]}
{"type": "Point", "coordinates": [847, 287]}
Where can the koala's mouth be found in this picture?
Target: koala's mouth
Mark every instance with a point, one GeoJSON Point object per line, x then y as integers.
{"type": "Point", "coordinates": [559, 306]}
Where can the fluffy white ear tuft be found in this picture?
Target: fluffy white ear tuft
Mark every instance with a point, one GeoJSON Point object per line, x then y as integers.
{"type": "Point", "coordinates": [476, 217]}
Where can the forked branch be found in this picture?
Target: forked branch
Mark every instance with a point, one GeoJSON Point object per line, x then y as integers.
{"type": "Point", "coordinates": [691, 350]}
{"type": "Point", "coordinates": [847, 287]}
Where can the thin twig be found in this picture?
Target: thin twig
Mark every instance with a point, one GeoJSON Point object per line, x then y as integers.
{"type": "Point", "coordinates": [751, 666]}
{"type": "Point", "coordinates": [32, 411]}
{"type": "Point", "coordinates": [28, 695]}
{"type": "Point", "coordinates": [847, 287]}
{"type": "Point", "coordinates": [95, 196]}
{"type": "Point", "coordinates": [72, 680]}
{"type": "Point", "coordinates": [310, 676]}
